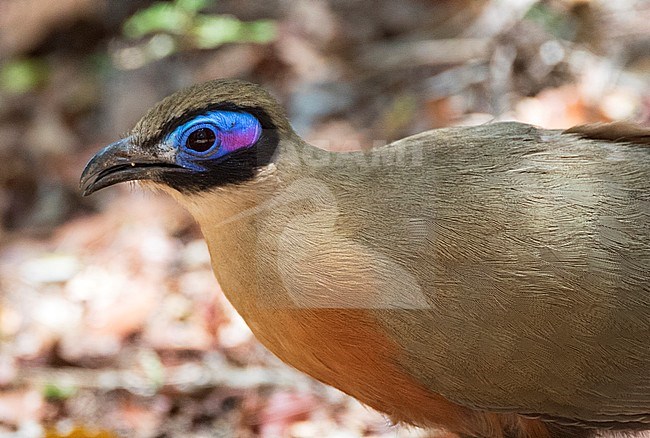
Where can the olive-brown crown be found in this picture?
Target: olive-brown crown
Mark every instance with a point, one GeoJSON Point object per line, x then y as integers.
{"type": "Point", "coordinates": [229, 94]}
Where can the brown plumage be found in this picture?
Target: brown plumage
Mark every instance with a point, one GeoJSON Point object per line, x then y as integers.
{"type": "Point", "coordinates": [491, 280]}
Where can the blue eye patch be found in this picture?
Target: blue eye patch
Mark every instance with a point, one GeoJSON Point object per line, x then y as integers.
{"type": "Point", "coordinates": [213, 135]}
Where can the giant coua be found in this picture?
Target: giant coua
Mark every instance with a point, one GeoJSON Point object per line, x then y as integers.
{"type": "Point", "coordinates": [493, 281]}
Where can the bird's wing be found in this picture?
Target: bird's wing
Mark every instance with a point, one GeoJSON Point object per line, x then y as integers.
{"type": "Point", "coordinates": [620, 132]}
{"type": "Point", "coordinates": [537, 270]}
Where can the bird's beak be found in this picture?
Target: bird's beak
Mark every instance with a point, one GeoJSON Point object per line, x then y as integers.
{"type": "Point", "coordinates": [119, 162]}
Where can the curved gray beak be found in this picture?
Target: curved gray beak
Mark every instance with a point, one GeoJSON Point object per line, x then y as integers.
{"type": "Point", "coordinates": [119, 162]}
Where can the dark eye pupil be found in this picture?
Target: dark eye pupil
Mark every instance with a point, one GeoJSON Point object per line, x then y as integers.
{"type": "Point", "coordinates": [201, 140]}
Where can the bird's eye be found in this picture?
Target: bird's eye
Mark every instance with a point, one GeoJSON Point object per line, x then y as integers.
{"type": "Point", "coordinates": [201, 139]}
{"type": "Point", "coordinates": [212, 136]}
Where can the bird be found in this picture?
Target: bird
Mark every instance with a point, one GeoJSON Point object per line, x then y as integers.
{"type": "Point", "coordinates": [490, 281]}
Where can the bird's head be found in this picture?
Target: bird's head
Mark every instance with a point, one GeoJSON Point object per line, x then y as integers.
{"type": "Point", "coordinates": [205, 136]}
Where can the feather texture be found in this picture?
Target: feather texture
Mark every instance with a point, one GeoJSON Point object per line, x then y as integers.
{"type": "Point", "coordinates": [503, 267]}
{"type": "Point", "coordinates": [492, 280]}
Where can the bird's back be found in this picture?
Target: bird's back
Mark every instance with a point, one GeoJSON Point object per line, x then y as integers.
{"type": "Point", "coordinates": [528, 255]}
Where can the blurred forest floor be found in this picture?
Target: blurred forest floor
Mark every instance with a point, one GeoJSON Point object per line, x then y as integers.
{"type": "Point", "coordinates": [111, 322]}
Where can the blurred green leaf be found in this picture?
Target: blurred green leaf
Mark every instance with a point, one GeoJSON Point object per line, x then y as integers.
{"type": "Point", "coordinates": [213, 30]}
{"type": "Point", "coordinates": [261, 31]}
{"type": "Point", "coordinates": [22, 75]}
{"type": "Point", "coordinates": [159, 17]}
{"type": "Point", "coordinates": [179, 24]}
{"type": "Point", "coordinates": [57, 391]}
{"type": "Point", "coordinates": [193, 5]}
